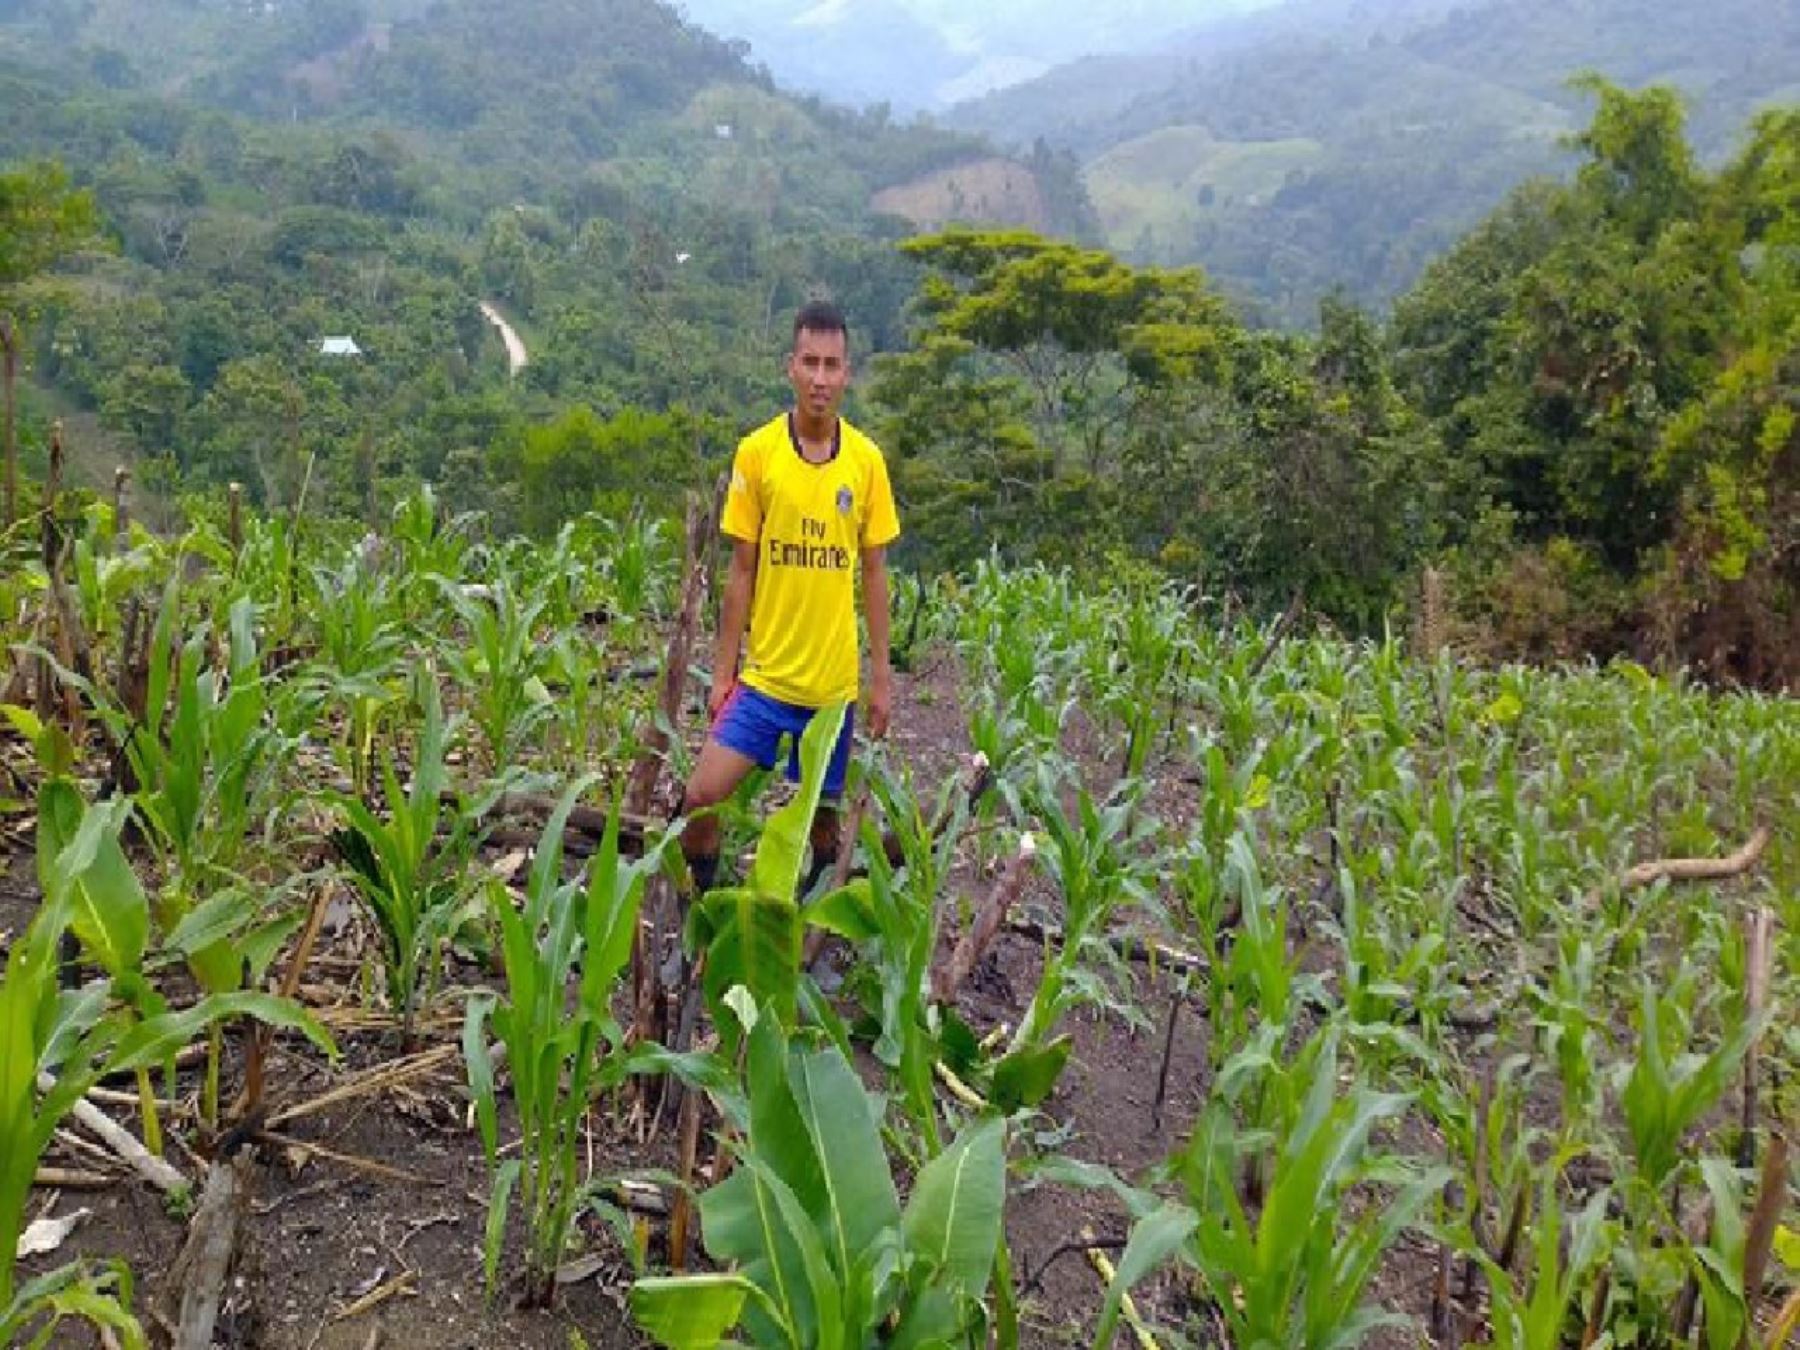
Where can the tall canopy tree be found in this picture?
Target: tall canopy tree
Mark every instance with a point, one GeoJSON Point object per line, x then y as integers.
{"type": "Point", "coordinates": [41, 219]}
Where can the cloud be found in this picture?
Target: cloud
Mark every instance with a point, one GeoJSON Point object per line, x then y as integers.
{"type": "Point", "coordinates": [825, 14]}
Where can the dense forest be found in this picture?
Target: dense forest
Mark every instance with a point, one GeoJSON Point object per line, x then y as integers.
{"type": "Point", "coordinates": [1580, 423]}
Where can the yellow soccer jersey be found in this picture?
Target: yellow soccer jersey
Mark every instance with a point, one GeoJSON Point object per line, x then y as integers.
{"type": "Point", "coordinates": [809, 523]}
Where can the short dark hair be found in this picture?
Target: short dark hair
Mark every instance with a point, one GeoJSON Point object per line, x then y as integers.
{"type": "Point", "coordinates": [820, 316]}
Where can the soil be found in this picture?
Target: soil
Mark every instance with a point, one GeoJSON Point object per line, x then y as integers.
{"type": "Point", "coordinates": [327, 1241]}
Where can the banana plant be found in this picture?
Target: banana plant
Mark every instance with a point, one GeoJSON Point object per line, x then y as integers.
{"type": "Point", "coordinates": [818, 1249]}
{"type": "Point", "coordinates": [561, 1051]}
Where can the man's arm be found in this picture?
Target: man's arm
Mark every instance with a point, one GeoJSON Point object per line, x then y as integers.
{"type": "Point", "coordinates": [881, 671]}
{"type": "Point", "coordinates": [734, 615]}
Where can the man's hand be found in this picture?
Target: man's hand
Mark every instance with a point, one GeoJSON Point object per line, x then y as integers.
{"type": "Point", "coordinates": [881, 703]}
{"type": "Point", "coordinates": [723, 682]}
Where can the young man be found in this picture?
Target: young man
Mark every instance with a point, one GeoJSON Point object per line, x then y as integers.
{"type": "Point", "coordinates": [809, 499]}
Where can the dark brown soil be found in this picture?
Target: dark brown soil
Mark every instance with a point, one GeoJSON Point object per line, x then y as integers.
{"type": "Point", "coordinates": [324, 1235]}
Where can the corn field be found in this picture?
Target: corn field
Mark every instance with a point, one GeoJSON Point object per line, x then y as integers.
{"type": "Point", "coordinates": [1484, 979]}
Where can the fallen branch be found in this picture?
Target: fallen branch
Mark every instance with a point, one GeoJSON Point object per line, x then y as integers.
{"type": "Point", "coordinates": [400, 1284]}
{"type": "Point", "coordinates": [374, 1080]}
{"type": "Point", "coordinates": [61, 1178]}
{"type": "Point", "coordinates": [1035, 1279]}
{"type": "Point", "coordinates": [1129, 946]}
{"type": "Point", "coordinates": [979, 936]}
{"type": "Point", "coordinates": [158, 1172]}
{"type": "Point", "coordinates": [1694, 869]}
{"type": "Point", "coordinates": [350, 1160]}
{"type": "Point", "coordinates": [586, 823]}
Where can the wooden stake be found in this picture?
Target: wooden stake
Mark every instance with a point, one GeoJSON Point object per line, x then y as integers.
{"type": "Point", "coordinates": [1597, 1308]}
{"type": "Point", "coordinates": [9, 448]}
{"type": "Point", "coordinates": [679, 1216]}
{"type": "Point", "coordinates": [1759, 1237]}
{"type": "Point", "coordinates": [661, 905]}
{"type": "Point", "coordinates": [234, 517]}
{"type": "Point", "coordinates": [121, 508]}
{"type": "Point", "coordinates": [203, 1266]}
{"type": "Point", "coordinates": [1176, 999]}
{"type": "Point", "coordinates": [1759, 952]}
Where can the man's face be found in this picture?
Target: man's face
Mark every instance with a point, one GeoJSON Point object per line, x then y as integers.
{"type": "Point", "coordinates": [819, 370]}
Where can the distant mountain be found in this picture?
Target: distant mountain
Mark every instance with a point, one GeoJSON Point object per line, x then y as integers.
{"type": "Point", "coordinates": [917, 55]}
{"type": "Point", "coordinates": [1340, 143]}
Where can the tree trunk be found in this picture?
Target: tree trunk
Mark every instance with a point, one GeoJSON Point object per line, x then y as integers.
{"type": "Point", "coordinates": [9, 357]}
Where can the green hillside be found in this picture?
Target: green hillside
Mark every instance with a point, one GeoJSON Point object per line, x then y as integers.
{"type": "Point", "coordinates": [1423, 117]}
{"type": "Point", "coordinates": [1163, 185]}
{"type": "Point", "coordinates": [645, 206]}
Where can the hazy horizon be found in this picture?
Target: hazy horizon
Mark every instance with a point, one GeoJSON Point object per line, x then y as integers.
{"type": "Point", "coordinates": [925, 55]}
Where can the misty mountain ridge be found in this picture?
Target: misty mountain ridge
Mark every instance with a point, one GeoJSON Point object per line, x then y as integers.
{"type": "Point", "coordinates": [1341, 143]}
{"type": "Point", "coordinates": [920, 55]}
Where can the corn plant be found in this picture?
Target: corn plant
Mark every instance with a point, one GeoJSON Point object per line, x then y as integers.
{"type": "Point", "coordinates": [428, 545]}
{"type": "Point", "coordinates": [55, 1044]}
{"type": "Point", "coordinates": [893, 917]}
{"type": "Point", "coordinates": [206, 775]}
{"type": "Point", "coordinates": [1295, 1273]}
{"type": "Point", "coordinates": [1091, 858]}
{"type": "Point", "coordinates": [361, 645]}
{"type": "Point", "coordinates": [819, 1251]}
{"type": "Point", "coordinates": [413, 883]}
{"type": "Point", "coordinates": [499, 665]}
{"type": "Point", "coordinates": [560, 1051]}
{"type": "Point", "coordinates": [1532, 1311]}
{"type": "Point", "coordinates": [1665, 1096]}
{"type": "Point", "coordinates": [228, 942]}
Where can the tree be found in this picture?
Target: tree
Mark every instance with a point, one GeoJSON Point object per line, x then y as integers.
{"type": "Point", "coordinates": [1729, 583]}
{"type": "Point", "coordinates": [1061, 319]}
{"type": "Point", "coordinates": [41, 220]}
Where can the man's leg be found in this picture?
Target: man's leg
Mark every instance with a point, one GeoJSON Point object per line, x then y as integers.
{"type": "Point", "coordinates": [825, 843]}
{"type": "Point", "coordinates": [715, 777]}
{"type": "Point", "coordinates": [826, 836]}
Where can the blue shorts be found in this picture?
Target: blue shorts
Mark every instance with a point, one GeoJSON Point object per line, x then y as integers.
{"type": "Point", "coordinates": [753, 724]}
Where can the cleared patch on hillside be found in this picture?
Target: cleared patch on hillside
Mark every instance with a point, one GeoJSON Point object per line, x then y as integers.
{"type": "Point", "coordinates": [739, 114]}
{"type": "Point", "coordinates": [1151, 192]}
{"type": "Point", "coordinates": [981, 192]}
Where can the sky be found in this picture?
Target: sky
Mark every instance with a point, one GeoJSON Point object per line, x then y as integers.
{"type": "Point", "coordinates": [923, 55]}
